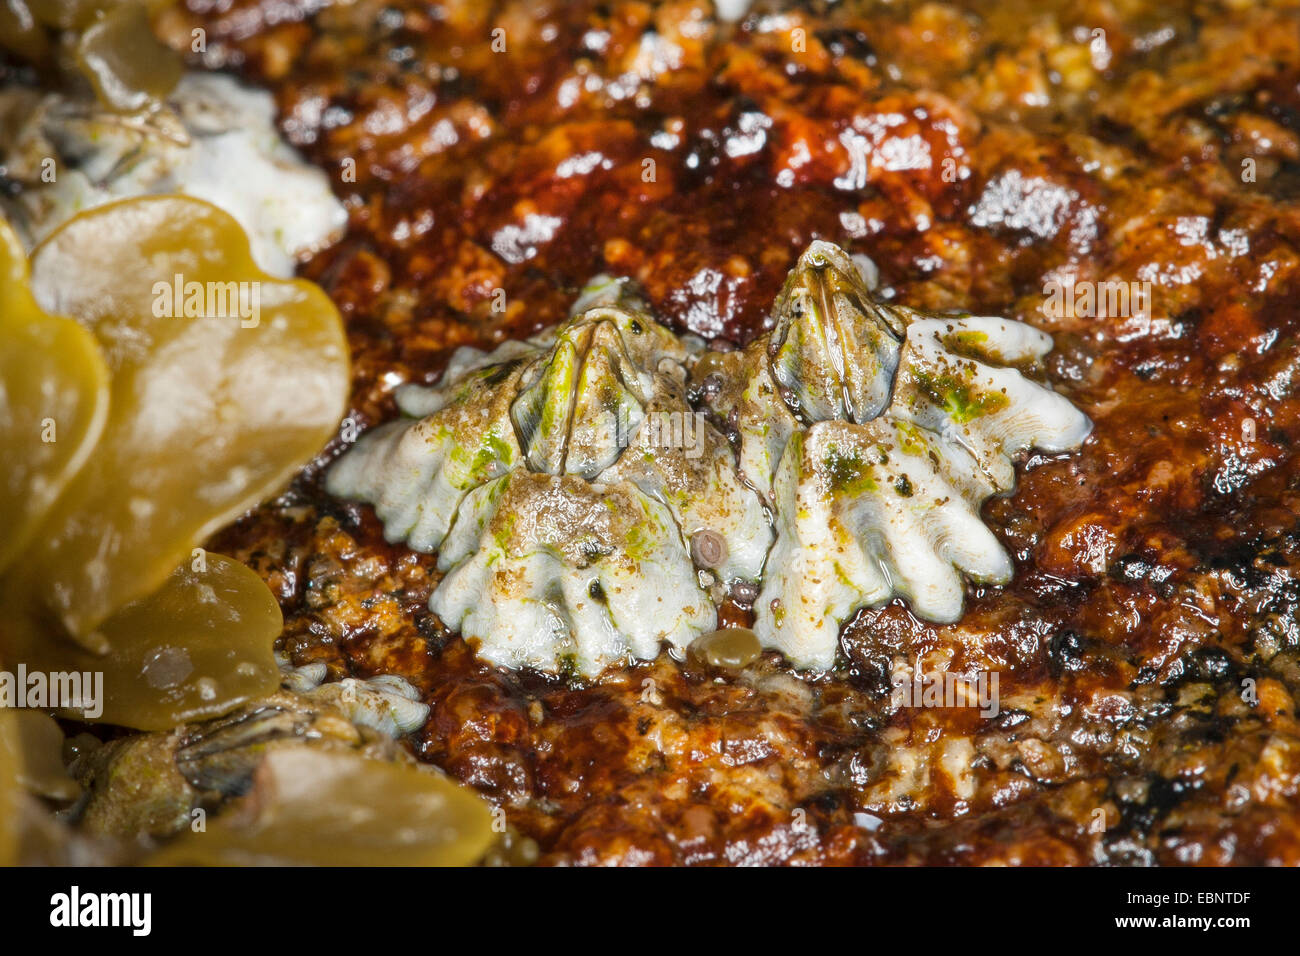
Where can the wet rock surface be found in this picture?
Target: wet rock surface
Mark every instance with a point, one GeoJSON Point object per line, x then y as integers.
{"type": "Point", "coordinates": [1147, 648]}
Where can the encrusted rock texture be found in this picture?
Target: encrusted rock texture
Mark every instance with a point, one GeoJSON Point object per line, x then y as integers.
{"type": "Point", "coordinates": [494, 156]}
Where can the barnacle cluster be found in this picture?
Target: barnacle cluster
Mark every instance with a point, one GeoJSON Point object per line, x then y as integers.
{"type": "Point", "coordinates": [866, 437]}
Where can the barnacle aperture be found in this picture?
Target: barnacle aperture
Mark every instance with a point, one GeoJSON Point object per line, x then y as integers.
{"type": "Point", "coordinates": [876, 433]}
{"type": "Point", "coordinates": [562, 480]}
{"type": "Point", "coordinates": [872, 433]}
{"type": "Point", "coordinates": [833, 352]}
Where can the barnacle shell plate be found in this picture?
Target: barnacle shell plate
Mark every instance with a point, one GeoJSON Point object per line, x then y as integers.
{"type": "Point", "coordinates": [885, 505]}
{"type": "Point", "coordinates": [562, 515]}
{"type": "Point", "coordinates": [547, 570]}
{"type": "Point", "coordinates": [869, 432]}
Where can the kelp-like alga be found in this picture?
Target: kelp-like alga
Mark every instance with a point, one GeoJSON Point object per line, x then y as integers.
{"type": "Point", "coordinates": [864, 437]}
{"type": "Point", "coordinates": [130, 434]}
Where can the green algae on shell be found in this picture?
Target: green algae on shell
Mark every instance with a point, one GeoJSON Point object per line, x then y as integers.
{"type": "Point", "coordinates": [568, 546]}
{"type": "Point", "coordinates": [869, 433]}
{"type": "Point", "coordinates": [833, 352]}
{"type": "Point", "coordinates": [543, 567]}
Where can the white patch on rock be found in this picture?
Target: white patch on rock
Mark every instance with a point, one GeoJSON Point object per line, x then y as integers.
{"type": "Point", "coordinates": [214, 139]}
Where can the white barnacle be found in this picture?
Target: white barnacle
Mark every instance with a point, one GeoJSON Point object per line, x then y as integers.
{"type": "Point", "coordinates": [876, 433]}
{"type": "Point", "coordinates": [387, 703]}
{"type": "Point", "coordinates": [213, 138]}
{"type": "Point", "coordinates": [572, 535]}
{"type": "Point", "coordinates": [563, 525]}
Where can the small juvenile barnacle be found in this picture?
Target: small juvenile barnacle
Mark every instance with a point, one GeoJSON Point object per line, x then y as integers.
{"type": "Point", "coordinates": [708, 549]}
{"type": "Point", "coordinates": [387, 703]}
{"type": "Point", "coordinates": [876, 433]}
{"type": "Point", "coordinates": [562, 481]}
